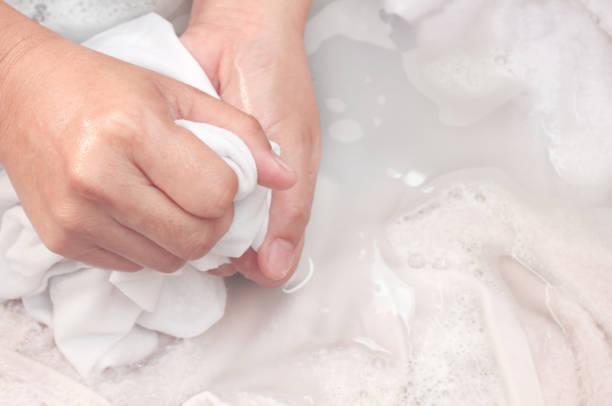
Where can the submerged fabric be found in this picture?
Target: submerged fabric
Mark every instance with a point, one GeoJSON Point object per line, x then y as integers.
{"type": "Point", "coordinates": [102, 318]}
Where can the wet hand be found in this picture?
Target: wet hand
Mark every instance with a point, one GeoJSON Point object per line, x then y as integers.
{"type": "Point", "coordinates": [254, 54]}
{"type": "Point", "coordinates": [103, 173]}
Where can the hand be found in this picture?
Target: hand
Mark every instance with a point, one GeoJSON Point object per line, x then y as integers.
{"type": "Point", "coordinates": [103, 173]}
{"type": "Point", "coordinates": [255, 57]}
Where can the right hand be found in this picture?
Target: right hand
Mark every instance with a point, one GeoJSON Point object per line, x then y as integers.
{"type": "Point", "coordinates": [103, 173]}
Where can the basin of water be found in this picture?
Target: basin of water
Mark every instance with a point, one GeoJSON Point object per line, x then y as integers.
{"type": "Point", "coordinates": [460, 247]}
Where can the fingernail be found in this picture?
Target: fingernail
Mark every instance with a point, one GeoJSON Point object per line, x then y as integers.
{"type": "Point", "coordinates": [280, 259]}
{"type": "Point", "coordinates": [283, 164]}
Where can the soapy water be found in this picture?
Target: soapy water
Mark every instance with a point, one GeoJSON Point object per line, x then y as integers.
{"type": "Point", "coordinates": [423, 282]}
{"type": "Point", "coordinates": [79, 20]}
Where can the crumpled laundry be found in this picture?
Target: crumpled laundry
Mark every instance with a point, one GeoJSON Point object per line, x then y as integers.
{"type": "Point", "coordinates": [103, 318]}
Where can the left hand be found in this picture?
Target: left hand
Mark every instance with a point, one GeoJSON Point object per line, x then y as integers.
{"type": "Point", "coordinates": [253, 53]}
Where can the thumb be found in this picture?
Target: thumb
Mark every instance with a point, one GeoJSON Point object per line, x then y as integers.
{"type": "Point", "coordinates": [191, 104]}
{"type": "Point", "coordinates": [289, 214]}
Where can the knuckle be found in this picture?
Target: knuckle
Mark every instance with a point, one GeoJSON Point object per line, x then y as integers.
{"type": "Point", "coordinates": [115, 127]}
{"type": "Point", "coordinates": [123, 124]}
{"type": "Point", "coordinates": [86, 171]}
{"type": "Point", "coordinates": [196, 246]}
{"type": "Point", "coordinates": [252, 126]}
{"type": "Point", "coordinates": [68, 217]}
{"type": "Point", "coordinates": [84, 181]}
{"type": "Point", "coordinates": [298, 215]}
{"type": "Point", "coordinates": [58, 241]}
{"type": "Point", "coordinates": [221, 195]}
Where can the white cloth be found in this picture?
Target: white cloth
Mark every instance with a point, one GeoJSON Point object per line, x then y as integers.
{"type": "Point", "coordinates": [102, 318]}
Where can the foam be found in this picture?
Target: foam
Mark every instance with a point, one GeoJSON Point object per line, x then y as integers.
{"type": "Point", "coordinates": [493, 236]}
{"type": "Point", "coordinates": [473, 58]}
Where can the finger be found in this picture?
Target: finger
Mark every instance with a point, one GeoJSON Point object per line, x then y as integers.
{"type": "Point", "coordinates": [279, 255]}
{"type": "Point", "coordinates": [193, 105]}
{"type": "Point", "coordinates": [224, 270]}
{"type": "Point", "coordinates": [120, 240]}
{"type": "Point", "coordinates": [289, 214]}
{"type": "Point", "coordinates": [104, 259]}
{"type": "Point", "coordinates": [149, 212]}
{"type": "Point", "coordinates": [188, 171]}
{"type": "Point", "coordinates": [248, 266]}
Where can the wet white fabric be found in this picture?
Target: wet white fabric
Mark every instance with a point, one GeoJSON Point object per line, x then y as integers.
{"type": "Point", "coordinates": [102, 318]}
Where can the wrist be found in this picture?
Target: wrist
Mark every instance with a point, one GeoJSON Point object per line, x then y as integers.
{"type": "Point", "coordinates": [17, 36]}
{"type": "Point", "coordinates": [251, 19]}
{"type": "Point", "coordinates": [21, 41]}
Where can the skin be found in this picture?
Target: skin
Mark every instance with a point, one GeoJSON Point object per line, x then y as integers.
{"type": "Point", "coordinates": [253, 51]}
{"type": "Point", "coordinates": [103, 173]}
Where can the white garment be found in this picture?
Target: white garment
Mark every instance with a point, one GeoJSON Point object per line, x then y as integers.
{"type": "Point", "coordinates": [102, 318]}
